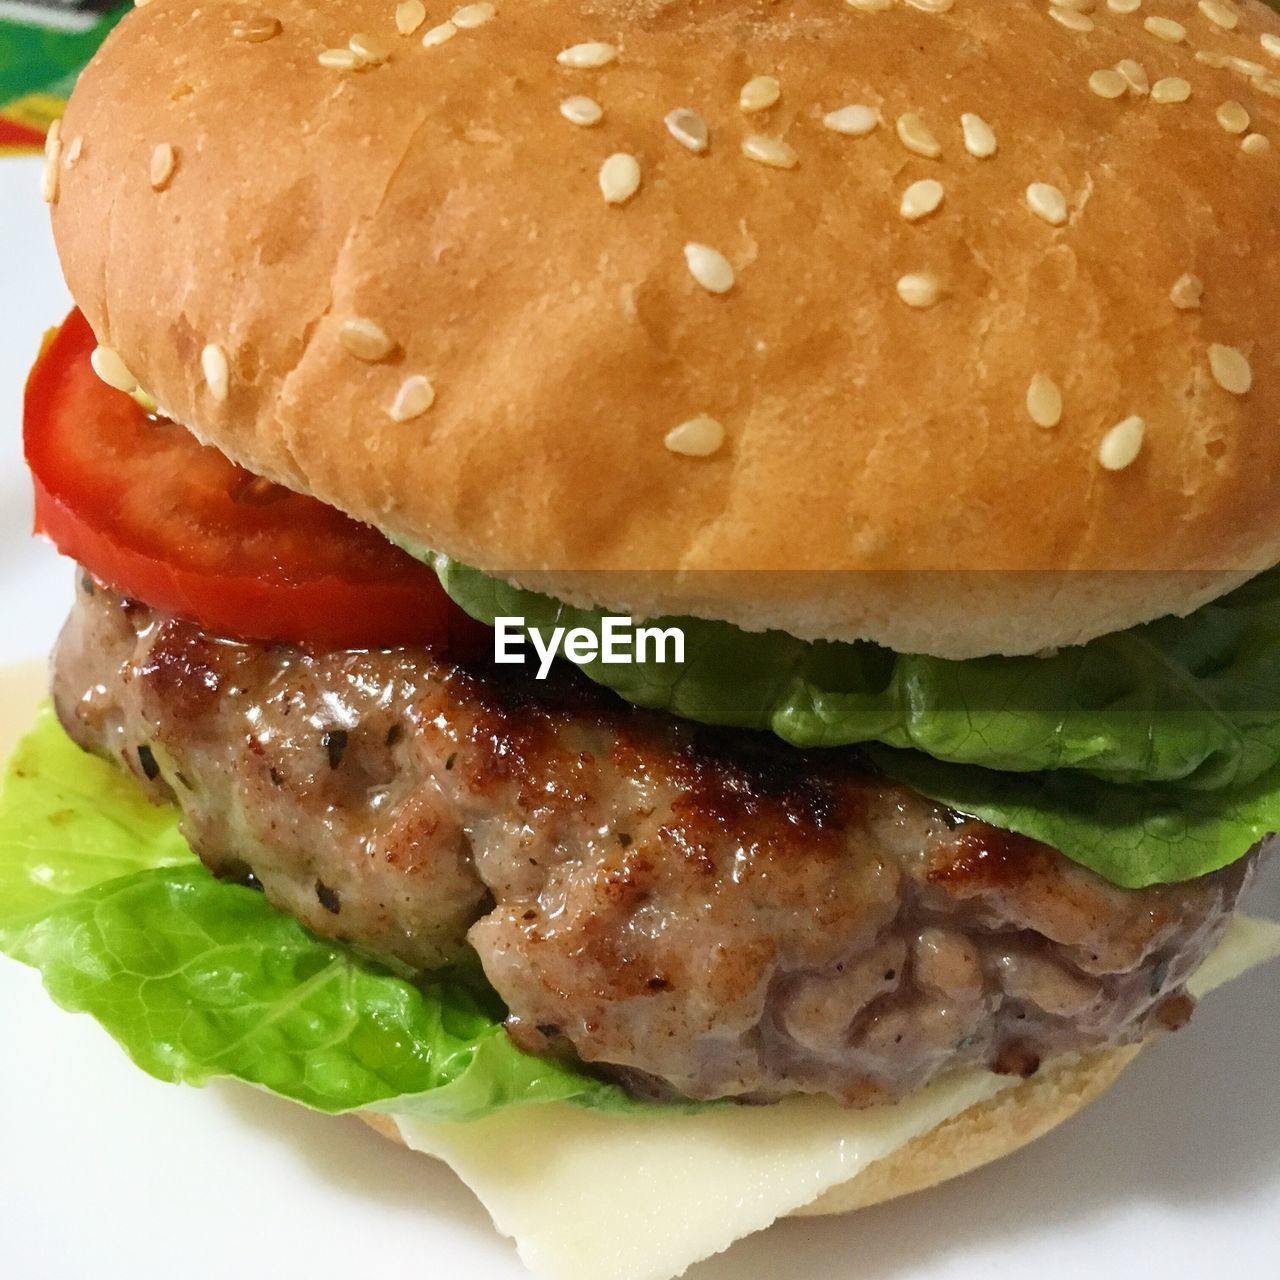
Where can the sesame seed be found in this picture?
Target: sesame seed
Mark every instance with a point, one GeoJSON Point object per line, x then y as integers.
{"type": "Point", "coordinates": [146, 402]}
{"type": "Point", "coordinates": [1166, 29]}
{"type": "Point", "coordinates": [1070, 18]}
{"type": "Point", "coordinates": [410, 15]}
{"type": "Point", "coordinates": [593, 53]}
{"type": "Point", "coordinates": [437, 35]}
{"type": "Point", "coordinates": [855, 120]}
{"type": "Point", "coordinates": [1271, 43]}
{"type": "Point", "coordinates": [108, 365]}
{"type": "Point", "coordinates": [217, 373]}
{"type": "Point", "coordinates": [979, 137]}
{"type": "Point", "coordinates": [769, 151]}
{"type": "Point", "coordinates": [1047, 202]}
{"type": "Point", "coordinates": [365, 339]}
{"type": "Point", "coordinates": [759, 93]}
{"type": "Point", "coordinates": [1172, 89]}
{"type": "Point", "coordinates": [919, 290]}
{"type": "Point", "coordinates": [921, 199]}
{"type": "Point", "coordinates": [368, 50]}
{"type": "Point", "coordinates": [688, 128]}
{"type": "Point", "coordinates": [1187, 292]}
{"type": "Point", "coordinates": [1212, 58]}
{"type": "Point", "coordinates": [1135, 75]}
{"type": "Point", "coordinates": [1124, 6]}
{"type": "Point", "coordinates": [1122, 444]}
{"type": "Point", "coordinates": [870, 6]}
{"type": "Point", "coordinates": [74, 151]}
{"type": "Point", "coordinates": [708, 267]}
{"type": "Point", "coordinates": [698, 438]}
{"type": "Point", "coordinates": [471, 16]}
{"type": "Point", "coordinates": [1231, 369]}
{"type": "Point", "coordinates": [916, 136]}
{"type": "Point", "coordinates": [163, 162]}
{"type": "Point", "coordinates": [256, 30]}
{"type": "Point", "coordinates": [1256, 144]}
{"type": "Point", "coordinates": [415, 397]}
{"type": "Point", "coordinates": [1221, 15]}
{"type": "Point", "coordinates": [1044, 401]}
{"type": "Point", "coordinates": [1233, 117]}
{"type": "Point", "coordinates": [49, 178]}
{"type": "Point", "coordinates": [582, 111]}
{"type": "Point", "coordinates": [1108, 83]}
{"type": "Point", "coordinates": [619, 178]}
{"type": "Point", "coordinates": [338, 59]}
{"type": "Point", "coordinates": [1241, 66]}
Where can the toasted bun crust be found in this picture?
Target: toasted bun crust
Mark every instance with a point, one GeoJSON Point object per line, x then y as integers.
{"type": "Point", "coordinates": [980, 1135]}
{"type": "Point", "coordinates": [442, 195]}
{"type": "Point", "coordinates": [966, 1142]}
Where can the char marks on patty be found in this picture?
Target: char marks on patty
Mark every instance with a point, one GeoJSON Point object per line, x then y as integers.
{"type": "Point", "coordinates": [697, 912]}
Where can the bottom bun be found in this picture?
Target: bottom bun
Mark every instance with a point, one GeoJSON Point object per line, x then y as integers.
{"type": "Point", "coordinates": [975, 1137]}
{"type": "Point", "coordinates": [984, 1133]}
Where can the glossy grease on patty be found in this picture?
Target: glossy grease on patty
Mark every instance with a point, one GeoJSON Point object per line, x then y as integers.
{"type": "Point", "coordinates": [698, 913]}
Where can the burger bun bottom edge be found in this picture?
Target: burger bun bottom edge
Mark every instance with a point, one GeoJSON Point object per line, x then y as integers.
{"type": "Point", "coordinates": [983, 1133]}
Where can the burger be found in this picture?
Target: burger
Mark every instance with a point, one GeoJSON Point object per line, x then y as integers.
{"type": "Point", "coordinates": [677, 603]}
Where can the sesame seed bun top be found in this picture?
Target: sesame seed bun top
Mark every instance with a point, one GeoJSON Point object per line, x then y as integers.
{"type": "Point", "coordinates": [959, 316]}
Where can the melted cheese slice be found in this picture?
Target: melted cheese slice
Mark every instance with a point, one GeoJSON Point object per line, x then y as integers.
{"type": "Point", "coordinates": [588, 1196]}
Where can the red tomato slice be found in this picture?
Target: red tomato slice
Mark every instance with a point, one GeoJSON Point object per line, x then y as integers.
{"type": "Point", "coordinates": [147, 509]}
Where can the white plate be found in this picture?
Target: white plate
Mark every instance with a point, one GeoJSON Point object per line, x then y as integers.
{"type": "Point", "coordinates": [107, 1173]}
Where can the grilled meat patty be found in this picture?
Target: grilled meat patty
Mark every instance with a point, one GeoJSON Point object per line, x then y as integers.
{"type": "Point", "coordinates": [696, 912]}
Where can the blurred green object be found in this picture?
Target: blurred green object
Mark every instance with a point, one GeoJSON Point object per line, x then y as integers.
{"type": "Point", "coordinates": [43, 46]}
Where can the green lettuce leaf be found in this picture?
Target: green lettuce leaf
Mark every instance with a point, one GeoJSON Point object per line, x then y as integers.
{"type": "Point", "coordinates": [1150, 756]}
{"type": "Point", "coordinates": [1131, 836]}
{"type": "Point", "coordinates": [1192, 702]}
{"type": "Point", "coordinates": [199, 978]}
{"type": "Point", "coordinates": [70, 821]}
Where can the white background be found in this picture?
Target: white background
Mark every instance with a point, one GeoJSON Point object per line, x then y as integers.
{"type": "Point", "coordinates": [107, 1173]}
